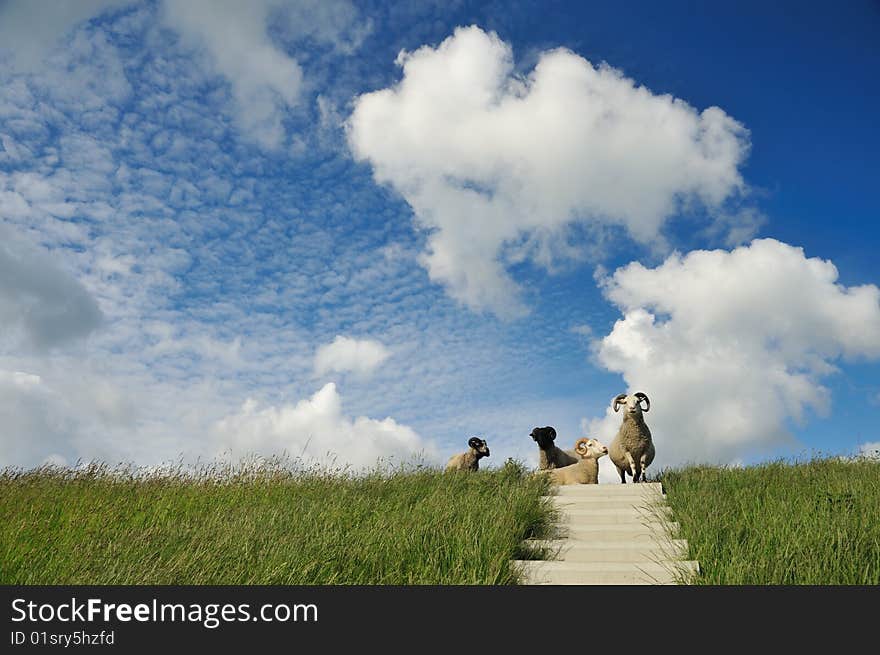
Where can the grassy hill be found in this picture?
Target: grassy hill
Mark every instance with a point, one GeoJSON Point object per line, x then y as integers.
{"type": "Point", "coordinates": [808, 523]}
{"type": "Point", "coordinates": [814, 522]}
{"type": "Point", "coordinates": [265, 526]}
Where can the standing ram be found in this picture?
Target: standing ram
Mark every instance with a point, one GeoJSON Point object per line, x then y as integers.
{"type": "Point", "coordinates": [632, 450]}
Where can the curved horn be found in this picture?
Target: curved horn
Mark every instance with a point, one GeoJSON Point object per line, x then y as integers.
{"type": "Point", "coordinates": [475, 442]}
{"type": "Point", "coordinates": [619, 400]}
{"type": "Point", "coordinates": [581, 446]}
{"type": "Point", "coordinates": [642, 396]}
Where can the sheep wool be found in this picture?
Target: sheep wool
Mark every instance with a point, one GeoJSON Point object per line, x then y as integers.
{"type": "Point", "coordinates": [586, 470]}
{"type": "Point", "coordinates": [551, 456]}
{"type": "Point", "coordinates": [470, 460]}
{"type": "Point", "coordinates": [632, 450]}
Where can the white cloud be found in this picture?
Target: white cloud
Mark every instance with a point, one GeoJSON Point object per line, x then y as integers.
{"type": "Point", "coordinates": [248, 43]}
{"type": "Point", "coordinates": [63, 420]}
{"type": "Point", "coordinates": [870, 449]}
{"type": "Point", "coordinates": [361, 356]}
{"type": "Point", "coordinates": [729, 346]}
{"type": "Point", "coordinates": [266, 80]}
{"type": "Point", "coordinates": [41, 306]}
{"type": "Point", "coordinates": [68, 411]}
{"type": "Point", "coordinates": [30, 29]}
{"type": "Point", "coordinates": [316, 429]}
{"type": "Point", "coordinates": [37, 422]}
{"type": "Point", "coordinates": [496, 165]}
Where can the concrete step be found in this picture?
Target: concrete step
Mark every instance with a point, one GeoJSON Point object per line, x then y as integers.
{"type": "Point", "coordinates": [585, 509]}
{"type": "Point", "coordinates": [609, 489]}
{"type": "Point", "coordinates": [616, 531]}
{"type": "Point", "coordinates": [637, 497]}
{"type": "Point", "coordinates": [609, 534]}
{"type": "Point", "coordinates": [627, 506]}
{"type": "Point", "coordinates": [554, 572]}
{"type": "Point", "coordinates": [634, 516]}
{"type": "Point", "coordinates": [566, 550]}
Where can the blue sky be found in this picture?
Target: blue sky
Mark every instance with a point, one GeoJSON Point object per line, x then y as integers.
{"type": "Point", "coordinates": [370, 230]}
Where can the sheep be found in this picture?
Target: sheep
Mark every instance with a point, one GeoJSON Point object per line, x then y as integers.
{"type": "Point", "coordinates": [632, 450]}
{"type": "Point", "coordinates": [549, 455]}
{"type": "Point", "coordinates": [586, 471]}
{"type": "Point", "coordinates": [469, 461]}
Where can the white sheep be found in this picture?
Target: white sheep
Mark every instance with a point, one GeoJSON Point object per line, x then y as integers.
{"type": "Point", "coordinates": [551, 456]}
{"type": "Point", "coordinates": [470, 460]}
{"type": "Point", "coordinates": [632, 450]}
{"type": "Point", "coordinates": [586, 470]}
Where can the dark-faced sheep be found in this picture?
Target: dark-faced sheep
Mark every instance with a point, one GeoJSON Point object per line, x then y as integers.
{"type": "Point", "coordinates": [470, 460]}
{"type": "Point", "coordinates": [632, 450]}
{"type": "Point", "coordinates": [549, 455]}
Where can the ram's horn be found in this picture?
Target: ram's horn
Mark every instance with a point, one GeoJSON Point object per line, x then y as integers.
{"type": "Point", "coordinates": [581, 446]}
{"type": "Point", "coordinates": [641, 396]}
{"type": "Point", "coordinates": [619, 400]}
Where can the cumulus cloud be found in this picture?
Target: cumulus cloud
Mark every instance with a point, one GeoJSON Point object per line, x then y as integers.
{"type": "Point", "coordinates": [732, 345]}
{"type": "Point", "coordinates": [316, 429]}
{"type": "Point", "coordinates": [63, 411]}
{"type": "Point", "coordinates": [344, 354]}
{"type": "Point", "coordinates": [496, 165]}
{"type": "Point", "coordinates": [50, 418]}
{"type": "Point", "coordinates": [41, 306]}
{"type": "Point", "coordinates": [870, 449]}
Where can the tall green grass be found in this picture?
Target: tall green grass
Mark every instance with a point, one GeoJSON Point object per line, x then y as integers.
{"type": "Point", "coordinates": [268, 525]}
{"type": "Point", "coordinates": [802, 523]}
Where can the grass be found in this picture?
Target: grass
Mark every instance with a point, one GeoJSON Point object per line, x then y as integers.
{"type": "Point", "coordinates": [801, 523]}
{"type": "Point", "coordinates": [266, 525]}
{"type": "Point", "coordinates": [814, 522]}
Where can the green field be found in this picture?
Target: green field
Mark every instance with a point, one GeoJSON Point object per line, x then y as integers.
{"type": "Point", "coordinates": [814, 522]}
{"type": "Point", "coordinates": [807, 523]}
{"type": "Point", "coordinates": [266, 526]}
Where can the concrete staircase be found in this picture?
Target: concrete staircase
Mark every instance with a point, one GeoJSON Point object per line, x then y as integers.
{"type": "Point", "coordinates": [610, 534]}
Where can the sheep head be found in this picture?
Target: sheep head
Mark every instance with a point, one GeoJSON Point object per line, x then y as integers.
{"type": "Point", "coordinates": [633, 403]}
{"type": "Point", "coordinates": [590, 448]}
{"type": "Point", "coordinates": [479, 446]}
{"type": "Point", "coordinates": [544, 437]}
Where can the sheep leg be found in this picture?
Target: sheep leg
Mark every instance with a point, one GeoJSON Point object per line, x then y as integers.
{"type": "Point", "coordinates": [631, 464]}
{"type": "Point", "coordinates": [622, 473]}
{"type": "Point", "coordinates": [643, 466]}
